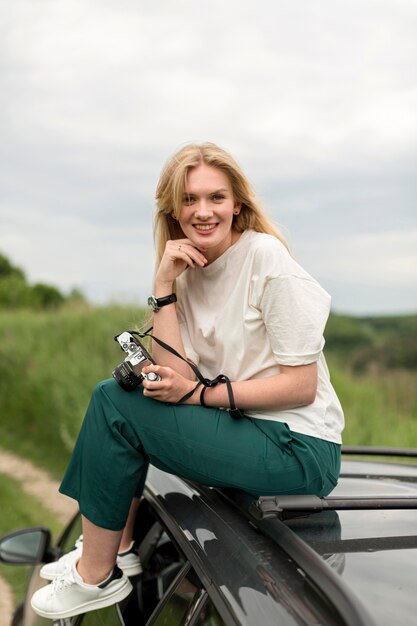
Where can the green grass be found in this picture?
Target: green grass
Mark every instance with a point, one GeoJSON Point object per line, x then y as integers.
{"type": "Point", "coordinates": [380, 407]}
{"type": "Point", "coordinates": [18, 510]}
{"type": "Point", "coordinates": [49, 363]}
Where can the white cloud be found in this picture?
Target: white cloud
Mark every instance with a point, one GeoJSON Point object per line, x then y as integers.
{"type": "Point", "coordinates": [316, 100]}
{"type": "Point", "coordinates": [368, 272]}
{"type": "Point", "coordinates": [69, 251]}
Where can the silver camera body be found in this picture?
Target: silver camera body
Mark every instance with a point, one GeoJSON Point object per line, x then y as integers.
{"type": "Point", "coordinates": [129, 373]}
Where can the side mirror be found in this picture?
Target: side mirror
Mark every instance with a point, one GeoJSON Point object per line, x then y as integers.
{"type": "Point", "coordinates": [26, 547]}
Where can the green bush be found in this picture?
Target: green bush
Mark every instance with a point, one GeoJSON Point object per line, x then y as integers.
{"type": "Point", "coordinates": [46, 297]}
{"type": "Point", "coordinates": [347, 333]}
{"type": "Point", "coordinates": [16, 293]}
{"type": "Point", "coordinates": [7, 269]}
{"type": "Point", "coordinates": [370, 344]}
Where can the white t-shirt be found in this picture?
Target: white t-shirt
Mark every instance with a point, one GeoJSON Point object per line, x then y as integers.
{"type": "Point", "coordinates": [253, 309]}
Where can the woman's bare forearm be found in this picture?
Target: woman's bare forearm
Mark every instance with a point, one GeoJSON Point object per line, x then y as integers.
{"type": "Point", "coordinates": [293, 387]}
{"type": "Point", "coordinates": [166, 328]}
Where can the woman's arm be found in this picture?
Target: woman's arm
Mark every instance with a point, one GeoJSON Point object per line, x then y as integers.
{"type": "Point", "coordinates": [179, 256]}
{"type": "Point", "coordinates": [166, 328]}
{"type": "Point", "coordinates": [293, 387]}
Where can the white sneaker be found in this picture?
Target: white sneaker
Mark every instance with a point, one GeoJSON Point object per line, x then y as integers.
{"type": "Point", "coordinates": [50, 571]}
{"type": "Point", "coordinates": [128, 561]}
{"type": "Point", "coordinates": [69, 595]}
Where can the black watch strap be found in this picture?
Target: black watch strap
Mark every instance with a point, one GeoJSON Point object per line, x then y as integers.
{"type": "Point", "coordinates": [158, 303]}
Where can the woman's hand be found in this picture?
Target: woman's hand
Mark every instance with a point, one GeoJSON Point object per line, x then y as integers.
{"type": "Point", "coordinates": [171, 388]}
{"type": "Point", "coordinates": [179, 254]}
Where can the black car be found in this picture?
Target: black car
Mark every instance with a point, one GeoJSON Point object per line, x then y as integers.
{"type": "Point", "coordinates": [212, 557]}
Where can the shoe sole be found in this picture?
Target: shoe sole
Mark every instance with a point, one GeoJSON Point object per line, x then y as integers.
{"type": "Point", "coordinates": [102, 603]}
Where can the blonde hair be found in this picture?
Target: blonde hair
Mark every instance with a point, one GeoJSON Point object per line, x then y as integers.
{"type": "Point", "coordinates": [170, 191]}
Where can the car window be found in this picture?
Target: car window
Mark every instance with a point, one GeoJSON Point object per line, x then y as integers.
{"type": "Point", "coordinates": [176, 609]}
{"type": "Point", "coordinates": [161, 562]}
{"type": "Point", "coordinates": [208, 616]}
{"type": "Point", "coordinates": [186, 604]}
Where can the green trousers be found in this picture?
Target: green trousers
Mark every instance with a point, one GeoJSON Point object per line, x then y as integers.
{"type": "Point", "coordinates": [125, 431]}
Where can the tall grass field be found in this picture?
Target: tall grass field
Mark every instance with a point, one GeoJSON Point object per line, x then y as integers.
{"type": "Point", "coordinates": [50, 362]}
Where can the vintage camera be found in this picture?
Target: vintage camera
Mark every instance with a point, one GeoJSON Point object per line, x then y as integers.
{"type": "Point", "coordinates": [129, 373]}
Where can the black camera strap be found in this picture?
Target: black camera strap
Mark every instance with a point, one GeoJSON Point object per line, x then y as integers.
{"type": "Point", "coordinates": [202, 380]}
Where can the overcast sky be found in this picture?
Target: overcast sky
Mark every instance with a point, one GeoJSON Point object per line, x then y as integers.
{"type": "Point", "coordinates": [317, 100]}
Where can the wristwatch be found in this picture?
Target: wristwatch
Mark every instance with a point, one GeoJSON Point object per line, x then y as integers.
{"type": "Point", "coordinates": [158, 303]}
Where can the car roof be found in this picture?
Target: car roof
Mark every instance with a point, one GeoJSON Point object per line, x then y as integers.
{"type": "Point", "coordinates": [376, 552]}
{"type": "Point", "coordinates": [352, 566]}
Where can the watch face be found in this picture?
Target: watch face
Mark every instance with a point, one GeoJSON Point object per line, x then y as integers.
{"type": "Point", "coordinates": [152, 302]}
{"type": "Point", "coordinates": [157, 303]}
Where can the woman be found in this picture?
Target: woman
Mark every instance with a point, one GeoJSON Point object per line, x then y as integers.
{"type": "Point", "coordinates": [229, 297]}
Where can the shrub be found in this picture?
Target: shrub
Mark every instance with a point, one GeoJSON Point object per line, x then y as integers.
{"type": "Point", "coordinates": [16, 293]}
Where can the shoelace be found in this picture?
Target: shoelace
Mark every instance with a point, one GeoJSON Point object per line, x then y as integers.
{"type": "Point", "coordinates": [62, 582]}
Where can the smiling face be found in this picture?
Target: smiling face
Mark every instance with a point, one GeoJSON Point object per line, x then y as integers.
{"type": "Point", "coordinates": [207, 210]}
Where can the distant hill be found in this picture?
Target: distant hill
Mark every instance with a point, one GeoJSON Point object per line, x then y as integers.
{"type": "Point", "coordinates": [363, 343]}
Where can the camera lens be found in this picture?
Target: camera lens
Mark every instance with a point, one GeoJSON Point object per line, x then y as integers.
{"type": "Point", "coordinates": [126, 377]}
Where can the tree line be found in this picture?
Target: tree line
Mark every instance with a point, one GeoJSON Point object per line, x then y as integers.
{"type": "Point", "coordinates": [17, 293]}
{"type": "Point", "coordinates": [372, 343]}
